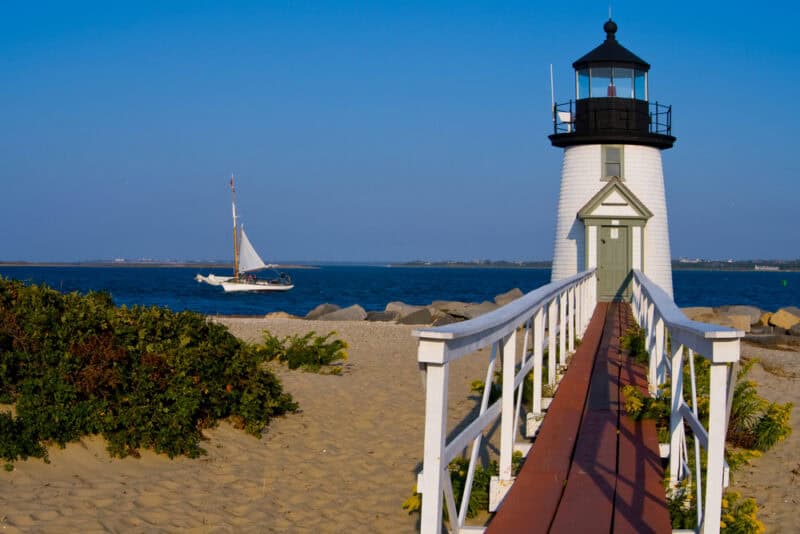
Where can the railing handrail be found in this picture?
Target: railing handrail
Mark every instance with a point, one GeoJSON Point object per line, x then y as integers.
{"type": "Point", "coordinates": [675, 319]}
{"type": "Point", "coordinates": [483, 330]}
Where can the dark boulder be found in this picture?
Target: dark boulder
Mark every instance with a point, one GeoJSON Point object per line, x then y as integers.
{"type": "Point", "coordinates": [419, 316]}
{"type": "Point", "coordinates": [381, 316]}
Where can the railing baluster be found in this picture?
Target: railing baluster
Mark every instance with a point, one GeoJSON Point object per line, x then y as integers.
{"type": "Point", "coordinates": [562, 328]}
{"type": "Point", "coordinates": [675, 418]}
{"type": "Point", "coordinates": [698, 466]}
{"type": "Point", "coordinates": [651, 344]}
{"type": "Point", "coordinates": [523, 360]}
{"type": "Point", "coordinates": [571, 321]}
{"type": "Point", "coordinates": [551, 338]}
{"type": "Point", "coordinates": [538, 349]}
{"type": "Point", "coordinates": [450, 500]}
{"type": "Point", "coordinates": [500, 485]}
{"type": "Point", "coordinates": [473, 457]}
{"type": "Point", "coordinates": [507, 422]}
{"type": "Point", "coordinates": [659, 356]}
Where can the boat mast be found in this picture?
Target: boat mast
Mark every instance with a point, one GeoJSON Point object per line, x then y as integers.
{"type": "Point", "coordinates": [235, 233]}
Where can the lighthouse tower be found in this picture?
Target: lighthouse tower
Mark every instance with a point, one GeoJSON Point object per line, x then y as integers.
{"type": "Point", "coordinates": [612, 213]}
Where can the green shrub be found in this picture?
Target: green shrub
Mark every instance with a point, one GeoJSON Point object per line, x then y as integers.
{"type": "Point", "coordinates": [633, 341]}
{"type": "Point", "coordinates": [739, 515]}
{"type": "Point", "coordinates": [756, 423]}
{"type": "Point", "coordinates": [142, 377]}
{"type": "Point", "coordinates": [309, 352]}
{"type": "Point", "coordinates": [682, 506]}
{"type": "Point", "coordinates": [773, 426]}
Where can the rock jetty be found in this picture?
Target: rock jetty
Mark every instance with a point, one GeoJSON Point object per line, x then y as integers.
{"type": "Point", "coordinates": [749, 319]}
{"type": "Point", "coordinates": [437, 313]}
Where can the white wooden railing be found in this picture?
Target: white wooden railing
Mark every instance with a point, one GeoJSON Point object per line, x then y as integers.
{"type": "Point", "coordinates": [664, 324]}
{"type": "Point", "coordinates": [568, 305]}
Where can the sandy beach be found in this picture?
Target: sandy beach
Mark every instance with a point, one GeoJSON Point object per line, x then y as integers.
{"type": "Point", "coordinates": [345, 463]}
{"type": "Point", "coordinates": [774, 479]}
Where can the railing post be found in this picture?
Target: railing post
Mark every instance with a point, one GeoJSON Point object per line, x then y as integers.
{"type": "Point", "coordinates": [538, 348]}
{"type": "Point", "coordinates": [650, 338]}
{"type": "Point", "coordinates": [582, 308]}
{"type": "Point", "coordinates": [657, 357]}
{"type": "Point", "coordinates": [562, 328]}
{"type": "Point", "coordinates": [500, 485]}
{"type": "Point", "coordinates": [716, 448]}
{"type": "Point", "coordinates": [434, 469]}
{"type": "Point", "coordinates": [571, 321]}
{"type": "Point", "coordinates": [551, 339]}
{"type": "Point", "coordinates": [675, 418]}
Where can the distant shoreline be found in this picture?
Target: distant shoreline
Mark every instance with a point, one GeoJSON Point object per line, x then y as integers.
{"type": "Point", "coordinates": [139, 265]}
{"type": "Point", "coordinates": [779, 266]}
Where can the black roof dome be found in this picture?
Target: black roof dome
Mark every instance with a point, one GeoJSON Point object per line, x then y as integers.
{"type": "Point", "coordinates": [611, 52]}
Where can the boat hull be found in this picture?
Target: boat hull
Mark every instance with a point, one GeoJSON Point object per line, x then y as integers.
{"type": "Point", "coordinates": [254, 286]}
{"type": "Point", "coordinates": [212, 279]}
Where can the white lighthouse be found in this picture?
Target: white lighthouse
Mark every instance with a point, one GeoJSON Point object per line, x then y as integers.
{"type": "Point", "coordinates": [612, 213]}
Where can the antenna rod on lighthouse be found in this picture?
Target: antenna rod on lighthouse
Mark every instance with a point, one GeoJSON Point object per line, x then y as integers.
{"type": "Point", "coordinates": [235, 244]}
{"type": "Point", "coordinates": [552, 94]}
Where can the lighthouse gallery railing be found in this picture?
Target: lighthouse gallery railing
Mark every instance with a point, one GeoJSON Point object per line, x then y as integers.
{"type": "Point", "coordinates": [566, 306]}
{"type": "Point", "coordinates": [668, 332]}
{"type": "Point", "coordinates": [655, 116]}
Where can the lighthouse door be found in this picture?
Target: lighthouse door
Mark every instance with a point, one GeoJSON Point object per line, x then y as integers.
{"type": "Point", "coordinates": [613, 262]}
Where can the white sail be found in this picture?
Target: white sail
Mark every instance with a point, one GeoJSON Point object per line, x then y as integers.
{"type": "Point", "coordinates": [249, 260]}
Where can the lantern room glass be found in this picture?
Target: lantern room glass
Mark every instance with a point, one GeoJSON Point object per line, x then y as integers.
{"type": "Point", "coordinates": [601, 83]}
{"type": "Point", "coordinates": [623, 82]}
{"type": "Point", "coordinates": [605, 82]}
{"type": "Point", "coordinates": [583, 83]}
{"type": "Point", "coordinates": [640, 84]}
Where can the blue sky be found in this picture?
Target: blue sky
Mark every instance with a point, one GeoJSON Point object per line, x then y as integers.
{"type": "Point", "coordinates": [372, 131]}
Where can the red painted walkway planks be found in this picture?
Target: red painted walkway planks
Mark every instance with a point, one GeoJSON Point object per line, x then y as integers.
{"type": "Point", "coordinates": [592, 468]}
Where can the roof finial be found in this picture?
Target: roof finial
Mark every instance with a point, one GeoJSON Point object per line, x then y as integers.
{"type": "Point", "coordinates": [610, 27]}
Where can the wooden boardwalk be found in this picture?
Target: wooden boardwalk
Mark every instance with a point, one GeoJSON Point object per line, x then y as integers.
{"type": "Point", "coordinates": [592, 468]}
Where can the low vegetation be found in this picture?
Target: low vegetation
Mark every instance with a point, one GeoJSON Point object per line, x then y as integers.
{"type": "Point", "coordinates": [755, 426]}
{"type": "Point", "coordinates": [479, 498]}
{"type": "Point", "coordinates": [73, 365]}
{"type": "Point", "coordinates": [309, 352]}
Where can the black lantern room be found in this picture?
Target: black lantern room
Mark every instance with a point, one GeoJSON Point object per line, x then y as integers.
{"type": "Point", "coordinates": [612, 105]}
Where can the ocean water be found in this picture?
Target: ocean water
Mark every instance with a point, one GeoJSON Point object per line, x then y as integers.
{"type": "Point", "coordinates": [374, 286]}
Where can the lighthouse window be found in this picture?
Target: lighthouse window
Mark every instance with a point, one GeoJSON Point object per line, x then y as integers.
{"type": "Point", "coordinates": [612, 162]}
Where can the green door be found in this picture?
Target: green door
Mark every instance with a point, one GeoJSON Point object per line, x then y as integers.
{"type": "Point", "coordinates": [613, 263]}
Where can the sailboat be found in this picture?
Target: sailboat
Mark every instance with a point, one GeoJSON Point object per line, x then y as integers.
{"type": "Point", "coordinates": [246, 261]}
